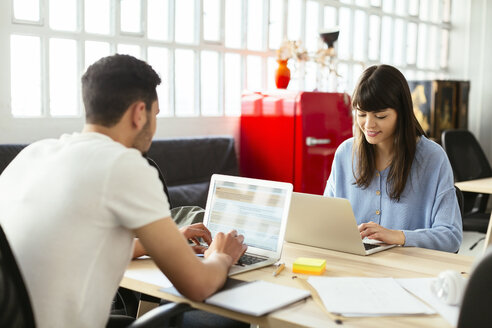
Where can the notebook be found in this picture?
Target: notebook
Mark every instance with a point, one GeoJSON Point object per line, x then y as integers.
{"type": "Point", "coordinates": [329, 223]}
{"type": "Point", "coordinates": [254, 298]}
{"type": "Point", "coordinates": [257, 209]}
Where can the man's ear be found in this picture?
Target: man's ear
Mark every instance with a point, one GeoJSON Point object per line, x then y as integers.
{"type": "Point", "coordinates": [138, 114]}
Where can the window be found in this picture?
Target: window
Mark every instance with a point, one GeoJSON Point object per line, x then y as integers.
{"type": "Point", "coordinates": [20, 68]}
{"type": "Point", "coordinates": [208, 51]}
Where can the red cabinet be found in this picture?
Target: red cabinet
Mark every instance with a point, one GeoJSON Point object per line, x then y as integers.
{"type": "Point", "coordinates": [292, 136]}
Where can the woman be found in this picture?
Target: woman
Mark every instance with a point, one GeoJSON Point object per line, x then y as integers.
{"type": "Point", "coordinates": [400, 183]}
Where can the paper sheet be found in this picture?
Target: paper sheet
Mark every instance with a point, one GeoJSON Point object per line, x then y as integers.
{"type": "Point", "coordinates": [355, 296]}
{"type": "Point", "coordinates": [421, 288]}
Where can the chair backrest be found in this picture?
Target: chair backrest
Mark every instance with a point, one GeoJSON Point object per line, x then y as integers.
{"type": "Point", "coordinates": [475, 307]}
{"type": "Point", "coordinates": [8, 153]}
{"type": "Point", "coordinates": [466, 155]}
{"type": "Point", "coordinates": [468, 162]}
{"type": "Point", "coordinates": [15, 306]}
{"type": "Point", "coordinates": [461, 200]}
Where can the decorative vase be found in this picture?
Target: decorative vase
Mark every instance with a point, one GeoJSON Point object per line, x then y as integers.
{"type": "Point", "coordinates": [282, 75]}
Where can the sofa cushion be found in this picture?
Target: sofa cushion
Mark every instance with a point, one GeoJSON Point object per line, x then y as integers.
{"type": "Point", "coordinates": [184, 195]}
{"type": "Point", "coordinates": [188, 163]}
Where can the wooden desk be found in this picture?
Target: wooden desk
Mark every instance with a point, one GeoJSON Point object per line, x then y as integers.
{"type": "Point", "coordinates": [480, 185]}
{"type": "Point", "coordinates": [483, 186]}
{"type": "Point", "coordinates": [398, 262]}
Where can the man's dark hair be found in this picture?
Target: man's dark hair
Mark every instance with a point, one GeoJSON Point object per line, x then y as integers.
{"type": "Point", "coordinates": [112, 84]}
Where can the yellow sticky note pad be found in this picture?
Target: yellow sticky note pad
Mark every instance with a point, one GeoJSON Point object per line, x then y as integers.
{"type": "Point", "coordinates": [307, 265]}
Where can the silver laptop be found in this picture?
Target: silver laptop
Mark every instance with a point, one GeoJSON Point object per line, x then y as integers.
{"type": "Point", "coordinates": [327, 223]}
{"type": "Point", "coordinates": [257, 209]}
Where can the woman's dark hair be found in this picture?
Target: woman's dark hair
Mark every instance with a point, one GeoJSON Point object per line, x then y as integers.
{"type": "Point", "coordinates": [382, 87]}
{"type": "Point", "coordinates": [112, 84]}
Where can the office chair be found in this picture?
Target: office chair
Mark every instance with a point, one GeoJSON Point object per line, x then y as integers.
{"type": "Point", "coordinates": [475, 307]}
{"type": "Point", "coordinates": [16, 310]}
{"type": "Point", "coordinates": [169, 315]}
{"type": "Point", "coordinates": [461, 200]}
{"type": "Point", "coordinates": [469, 162]}
{"type": "Point", "coordinates": [15, 306]}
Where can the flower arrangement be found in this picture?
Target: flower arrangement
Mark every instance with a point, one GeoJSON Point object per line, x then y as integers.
{"type": "Point", "coordinates": [292, 49]}
{"type": "Point", "coordinates": [325, 58]}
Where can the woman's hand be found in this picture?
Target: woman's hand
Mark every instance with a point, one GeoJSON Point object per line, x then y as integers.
{"type": "Point", "coordinates": [373, 230]}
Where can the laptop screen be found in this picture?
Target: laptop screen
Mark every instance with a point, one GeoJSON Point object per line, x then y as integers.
{"type": "Point", "coordinates": [254, 210]}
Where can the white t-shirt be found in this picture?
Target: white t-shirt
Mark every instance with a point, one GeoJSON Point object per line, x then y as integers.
{"type": "Point", "coordinates": [68, 207]}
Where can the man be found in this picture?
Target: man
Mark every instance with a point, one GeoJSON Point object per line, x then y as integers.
{"type": "Point", "coordinates": [71, 207]}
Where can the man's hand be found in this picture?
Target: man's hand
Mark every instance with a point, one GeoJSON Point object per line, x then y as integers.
{"type": "Point", "coordinates": [373, 230]}
{"type": "Point", "coordinates": [191, 232]}
{"type": "Point", "coordinates": [195, 231]}
{"type": "Point", "coordinates": [199, 249]}
{"type": "Point", "coordinates": [170, 251]}
{"type": "Point", "coordinates": [230, 244]}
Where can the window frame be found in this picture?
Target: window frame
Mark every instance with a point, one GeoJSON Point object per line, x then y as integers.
{"type": "Point", "coordinates": [41, 29]}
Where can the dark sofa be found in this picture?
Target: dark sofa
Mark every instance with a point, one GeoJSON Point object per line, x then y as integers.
{"type": "Point", "coordinates": [186, 164]}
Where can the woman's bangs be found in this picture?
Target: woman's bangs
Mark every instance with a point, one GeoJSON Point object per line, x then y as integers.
{"type": "Point", "coordinates": [369, 99]}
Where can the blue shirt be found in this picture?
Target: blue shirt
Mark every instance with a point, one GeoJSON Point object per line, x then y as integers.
{"type": "Point", "coordinates": [428, 212]}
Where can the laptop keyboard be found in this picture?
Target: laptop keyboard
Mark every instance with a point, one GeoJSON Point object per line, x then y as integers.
{"type": "Point", "coordinates": [249, 259]}
{"type": "Point", "coordinates": [370, 246]}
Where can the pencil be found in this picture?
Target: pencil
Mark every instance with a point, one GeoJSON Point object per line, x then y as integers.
{"type": "Point", "coordinates": [279, 269]}
{"type": "Point", "coordinates": [317, 299]}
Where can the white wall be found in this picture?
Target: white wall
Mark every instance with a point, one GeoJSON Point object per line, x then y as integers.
{"type": "Point", "coordinates": [480, 68]}
{"type": "Point", "coordinates": [29, 130]}
{"type": "Point", "coordinates": [470, 53]}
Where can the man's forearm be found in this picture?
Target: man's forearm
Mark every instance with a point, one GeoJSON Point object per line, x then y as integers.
{"type": "Point", "coordinates": [212, 277]}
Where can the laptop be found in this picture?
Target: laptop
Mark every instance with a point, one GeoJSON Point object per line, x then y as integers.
{"type": "Point", "coordinates": [327, 223]}
{"type": "Point", "coordinates": [257, 209]}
